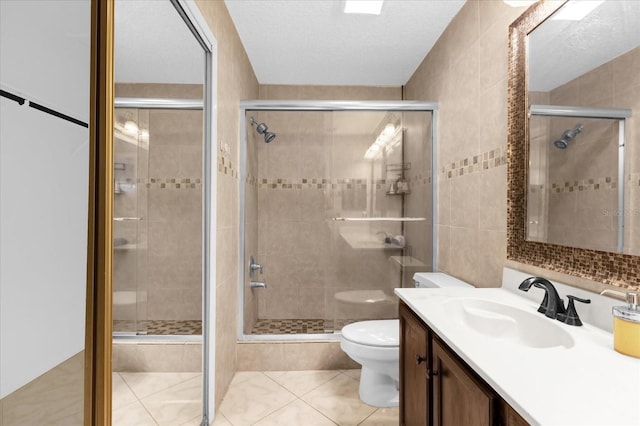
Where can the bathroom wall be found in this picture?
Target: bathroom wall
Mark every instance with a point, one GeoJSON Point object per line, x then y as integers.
{"type": "Point", "coordinates": [466, 73]}
{"type": "Point", "coordinates": [167, 264]}
{"type": "Point", "coordinates": [615, 84]}
{"type": "Point", "coordinates": [236, 81]}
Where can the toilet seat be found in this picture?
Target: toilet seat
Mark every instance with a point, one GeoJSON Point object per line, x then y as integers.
{"type": "Point", "coordinates": [377, 333]}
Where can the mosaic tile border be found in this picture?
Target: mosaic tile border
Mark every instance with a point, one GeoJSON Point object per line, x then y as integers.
{"type": "Point", "coordinates": [584, 185]}
{"type": "Point", "coordinates": [299, 326]}
{"type": "Point", "coordinates": [226, 167]}
{"type": "Point", "coordinates": [634, 179]}
{"type": "Point", "coordinates": [323, 183]}
{"type": "Point", "coordinates": [476, 163]}
{"type": "Point", "coordinates": [616, 269]}
{"type": "Point", "coordinates": [171, 183]}
{"type": "Point", "coordinates": [160, 327]}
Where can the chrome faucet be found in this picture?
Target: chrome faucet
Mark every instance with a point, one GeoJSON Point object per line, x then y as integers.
{"type": "Point", "coordinates": [552, 305]}
{"type": "Point", "coordinates": [257, 284]}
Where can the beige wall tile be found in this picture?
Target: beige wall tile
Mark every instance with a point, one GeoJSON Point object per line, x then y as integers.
{"type": "Point", "coordinates": [157, 357]}
{"type": "Point", "coordinates": [466, 73]}
{"type": "Point", "coordinates": [288, 356]}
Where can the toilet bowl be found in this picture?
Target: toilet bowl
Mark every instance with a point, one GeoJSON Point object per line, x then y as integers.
{"type": "Point", "coordinates": [376, 346]}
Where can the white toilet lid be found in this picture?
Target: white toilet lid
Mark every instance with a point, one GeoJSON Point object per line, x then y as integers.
{"type": "Point", "coordinates": [374, 333]}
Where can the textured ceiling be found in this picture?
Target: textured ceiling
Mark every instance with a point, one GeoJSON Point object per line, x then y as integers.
{"type": "Point", "coordinates": [561, 50]}
{"type": "Point", "coordinates": [153, 44]}
{"type": "Point", "coordinates": [313, 42]}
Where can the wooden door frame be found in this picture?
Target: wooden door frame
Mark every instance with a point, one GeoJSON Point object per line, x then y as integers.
{"type": "Point", "coordinates": [97, 408]}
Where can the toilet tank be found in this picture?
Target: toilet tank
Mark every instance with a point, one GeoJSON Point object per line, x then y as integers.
{"type": "Point", "coordinates": [437, 280]}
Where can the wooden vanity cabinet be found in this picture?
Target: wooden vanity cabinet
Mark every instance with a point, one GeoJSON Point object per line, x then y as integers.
{"type": "Point", "coordinates": [415, 348]}
{"type": "Point", "coordinates": [437, 388]}
{"type": "Point", "coordinates": [458, 397]}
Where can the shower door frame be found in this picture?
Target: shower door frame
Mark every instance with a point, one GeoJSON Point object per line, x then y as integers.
{"type": "Point", "coordinates": [619, 114]}
{"type": "Point", "coordinates": [329, 106]}
{"type": "Point", "coordinates": [160, 104]}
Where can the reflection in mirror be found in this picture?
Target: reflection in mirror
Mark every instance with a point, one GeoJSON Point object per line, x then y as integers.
{"type": "Point", "coordinates": [157, 206]}
{"type": "Point", "coordinates": [583, 190]}
{"type": "Point", "coordinates": [572, 198]}
{"type": "Point", "coordinates": [610, 268]}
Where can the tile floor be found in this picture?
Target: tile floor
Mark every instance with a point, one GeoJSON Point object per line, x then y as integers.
{"type": "Point", "coordinates": [152, 399]}
{"type": "Point", "coordinates": [299, 398]}
{"type": "Point", "coordinates": [291, 398]}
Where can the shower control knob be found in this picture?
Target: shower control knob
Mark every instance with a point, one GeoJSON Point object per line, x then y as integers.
{"type": "Point", "coordinates": [253, 266]}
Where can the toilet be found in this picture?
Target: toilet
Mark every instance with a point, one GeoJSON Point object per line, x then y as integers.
{"type": "Point", "coordinates": [376, 346]}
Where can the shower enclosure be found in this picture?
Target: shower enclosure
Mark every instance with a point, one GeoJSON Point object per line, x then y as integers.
{"type": "Point", "coordinates": [337, 212]}
{"type": "Point", "coordinates": [576, 188]}
{"type": "Point", "coordinates": [157, 259]}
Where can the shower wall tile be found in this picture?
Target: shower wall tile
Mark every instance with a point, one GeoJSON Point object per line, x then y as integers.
{"type": "Point", "coordinates": [348, 93]}
{"type": "Point", "coordinates": [594, 159]}
{"type": "Point", "coordinates": [158, 90]}
{"type": "Point", "coordinates": [595, 88]}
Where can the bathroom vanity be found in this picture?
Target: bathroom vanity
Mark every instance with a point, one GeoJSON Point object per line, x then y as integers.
{"type": "Point", "coordinates": [471, 356]}
{"type": "Point", "coordinates": [439, 388]}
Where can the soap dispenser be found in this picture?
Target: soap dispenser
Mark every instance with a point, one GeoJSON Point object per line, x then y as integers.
{"type": "Point", "coordinates": [626, 324]}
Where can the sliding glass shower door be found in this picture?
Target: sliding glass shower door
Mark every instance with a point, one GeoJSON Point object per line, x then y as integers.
{"type": "Point", "coordinates": [130, 222]}
{"type": "Point", "coordinates": [338, 213]}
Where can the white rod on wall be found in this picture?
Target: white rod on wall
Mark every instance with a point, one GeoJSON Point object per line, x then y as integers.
{"type": "Point", "coordinates": [573, 111]}
{"type": "Point", "coordinates": [380, 219]}
{"type": "Point", "coordinates": [157, 103]}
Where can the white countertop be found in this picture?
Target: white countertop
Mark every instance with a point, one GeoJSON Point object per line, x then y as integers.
{"type": "Point", "coordinates": [586, 384]}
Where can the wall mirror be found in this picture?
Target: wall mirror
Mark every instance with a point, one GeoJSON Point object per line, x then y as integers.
{"type": "Point", "coordinates": [574, 102]}
{"type": "Point", "coordinates": [582, 107]}
{"type": "Point", "coordinates": [161, 154]}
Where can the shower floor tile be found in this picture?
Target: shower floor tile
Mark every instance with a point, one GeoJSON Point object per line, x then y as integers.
{"type": "Point", "coordinates": [298, 326]}
{"type": "Point", "coordinates": [160, 327]}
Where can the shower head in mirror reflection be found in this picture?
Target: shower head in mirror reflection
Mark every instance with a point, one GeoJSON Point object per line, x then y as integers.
{"type": "Point", "coordinates": [262, 129]}
{"type": "Point", "coordinates": [568, 136]}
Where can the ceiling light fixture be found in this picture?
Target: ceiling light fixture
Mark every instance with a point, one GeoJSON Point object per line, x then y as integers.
{"type": "Point", "coordinates": [575, 10]}
{"type": "Point", "coordinates": [363, 6]}
{"type": "Point", "coordinates": [519, 3]}
{"type": "Point", "coordinates": [386, 140]}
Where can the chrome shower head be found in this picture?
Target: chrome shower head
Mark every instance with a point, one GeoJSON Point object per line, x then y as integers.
{"type": "Point", "coordinates": [561, 144]}
{"type": "Point", "coordinates": [568, 136]}
{"type": "Point", "coordinates": [262, 128]}
{"type": "Point", "coordinates": [268, 137]}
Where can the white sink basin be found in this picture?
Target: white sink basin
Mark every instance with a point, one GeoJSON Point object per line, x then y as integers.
{"type": "Point", "coordinates": [504, 322]}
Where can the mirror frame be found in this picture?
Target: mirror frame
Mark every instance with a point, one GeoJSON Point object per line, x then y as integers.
{"type": "Point", "coordinates": [616, 269]}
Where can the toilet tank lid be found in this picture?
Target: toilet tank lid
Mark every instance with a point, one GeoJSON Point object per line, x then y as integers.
{"type": "Point", "coordinates": [373, 333]}
{"type": "Point", "coordinates": [437, 280]}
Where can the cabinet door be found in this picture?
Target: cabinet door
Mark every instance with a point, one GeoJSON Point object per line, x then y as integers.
{"type": "Point", "coordinates": [414, 364]}
{"type": "Point", "coordinates": [459, 398]}
{"type": "Point", "coordinates": [510, 417]}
